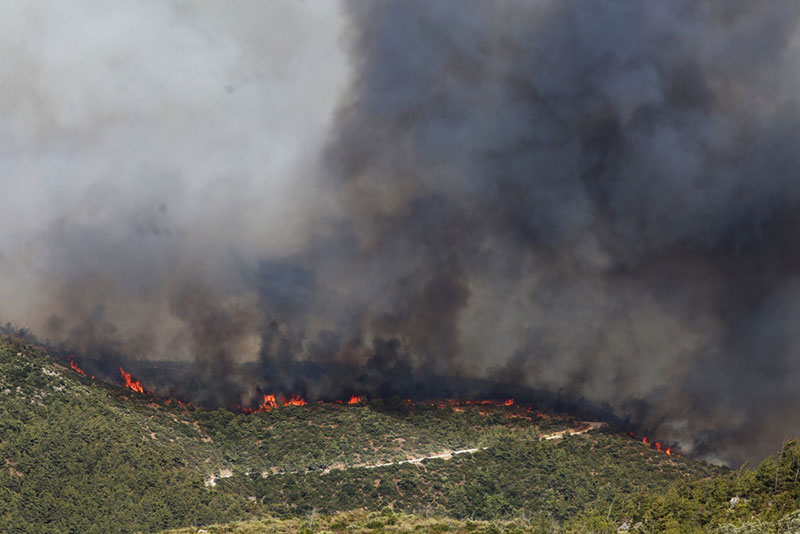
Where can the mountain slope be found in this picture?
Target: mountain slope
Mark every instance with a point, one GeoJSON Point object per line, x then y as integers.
{"type": "Point", "coordinates": [81, 455]}
{"type": "Point", "coordinates": [388, 521]}
{"type": "Point", "coordinates": [80, 458]}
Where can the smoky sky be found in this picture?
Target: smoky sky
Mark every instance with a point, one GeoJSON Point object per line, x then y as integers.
{"type": "Point", "coordinates": [596, 198]}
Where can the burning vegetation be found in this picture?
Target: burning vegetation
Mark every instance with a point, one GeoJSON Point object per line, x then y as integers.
{"type": "Point", "coordinates": [657, 445]}
{"type": "Point", "coordinates": [271, 401]}
{"type": "Point", "coordinates": [74, 366]}
{"type": "Point", "coordinates": [130, 383]}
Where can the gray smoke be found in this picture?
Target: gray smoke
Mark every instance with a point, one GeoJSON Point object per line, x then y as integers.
{"type": "Point", "coordinates": [596, 198]}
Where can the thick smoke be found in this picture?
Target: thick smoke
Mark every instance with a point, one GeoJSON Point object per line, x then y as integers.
{"type": "Point", "coordinates": [596, 198]}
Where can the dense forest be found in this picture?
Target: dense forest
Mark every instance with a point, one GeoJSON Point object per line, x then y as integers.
{"type": "Point", "coordinates": [83, 455]}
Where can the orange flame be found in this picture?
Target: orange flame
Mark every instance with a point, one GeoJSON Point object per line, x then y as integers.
{"type": "Point", "coordinates": [294, 400]}
{"type": "Point", "coordinates": [449, 403]}
{"type": "Point", "coordinates": [74, 365]}
{"type": "Point", "coordinates": [657, 445]}
{"type": "Point", "coordinates": [133, 385]}
{"type": "Point", "coordinates": [269, 403]}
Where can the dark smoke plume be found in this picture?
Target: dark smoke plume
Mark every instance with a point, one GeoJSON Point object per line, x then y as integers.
{"type": "Point", "coordinates": [595, 198]}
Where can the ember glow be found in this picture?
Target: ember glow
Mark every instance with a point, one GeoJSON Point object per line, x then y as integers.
{"type": "Point", "coordinates": [130, 383]}
{"type": "Point", "coordinates": [450, 403]}
{"type": "Point", "coordinates": [272, 401]}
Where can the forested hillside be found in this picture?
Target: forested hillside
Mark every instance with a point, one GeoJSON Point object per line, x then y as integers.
{"type": "Point", "coordinates": [387, 520]}
{"type": "Point", "coordinates": [82, 455]}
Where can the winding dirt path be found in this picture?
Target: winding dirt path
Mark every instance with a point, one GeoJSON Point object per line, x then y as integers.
{"type": "Point", "coordinates": [585, 426]}
{"type": "Point", "coordinates": [590, 425]}
{"type": "Point", "coordinates": [444, 456]}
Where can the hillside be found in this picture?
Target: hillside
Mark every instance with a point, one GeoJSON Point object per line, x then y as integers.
{"type": "Point", "coordinates": [82, 455]}
{"type": "Point", "coordinates": [388, 521]}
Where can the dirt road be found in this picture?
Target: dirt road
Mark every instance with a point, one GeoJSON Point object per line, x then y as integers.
{"type": "Point", "coordinates": [585, 426]}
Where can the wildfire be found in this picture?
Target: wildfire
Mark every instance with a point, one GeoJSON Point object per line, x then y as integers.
{"type": "Point", "coordinates": [294, 400]}
{"type": "Point", "coordinates": [133, 385]}
{"type": "Point", "coordinates": [273, 401]}
{"type": "Point", "coordinates": [655, 445]}
{"type": "Point", "coordinates": [269, 403]}
{"type": "Point", "coordinates": [449, 403]}
{"type": "Point", "coordinates": [74, 365]}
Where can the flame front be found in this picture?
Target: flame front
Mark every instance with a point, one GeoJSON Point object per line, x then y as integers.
{"type": "Point", "coordinates": [133, 385]}
{"type": "Point", "coordinates": [449, 403]}
{"type": "Point", "coordinates": [655, 445]}
{"type": "Point", "coordinates": [271, 402]}
{"type": "Point", "coordinates": [74, 365]}
{"type": "Point", "coordinates": [355, 399]}
{"type": "Point", "coordinates": [294, 400]}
